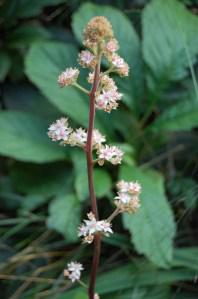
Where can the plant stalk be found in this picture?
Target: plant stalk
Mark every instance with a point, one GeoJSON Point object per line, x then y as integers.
{"type": "Point", "coordinates": [90, 164]}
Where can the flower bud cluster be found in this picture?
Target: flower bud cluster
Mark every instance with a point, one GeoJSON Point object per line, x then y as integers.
{"type": "Point", "coordinates": [91, 227]}
{"type": "Point", "coordinates": [73, 271]}
{"type": "Point", "coordinates": [127, 199]}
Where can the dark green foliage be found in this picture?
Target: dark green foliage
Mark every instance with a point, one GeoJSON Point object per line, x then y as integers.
{"type": "Point", "coordinates": [43, 187]}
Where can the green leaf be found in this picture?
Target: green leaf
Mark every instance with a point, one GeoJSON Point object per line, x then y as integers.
{"type": "Point", "coordinates": [27, 34]}
{"type": "Point", "coordinates": [46, 180]}
{"type": "Point", "coordinates": [44, 62]}
{"type": "Point", "coordinates": [152, 227]}
{"type": "Point", "coordinates": [186, 257]}
{"type": "Point", "coordinates": [137, 274]}
{"type": "Point", "coordinates": [126, 35]}
{"type": "Point", "coordinates": [5, 64]}
{"type": "Point", "coordinates": [102, 180]}
{"type": "Point", "coordinates": [23, 137]}
{"type": "Point", "coordinates": [182, 116]}
{"type": "Point", "coordinates": [64, 216]}
{"type": "Point", "coordinates": [26, 8]}
{"type": "Point", "coordinates": [170, 41]}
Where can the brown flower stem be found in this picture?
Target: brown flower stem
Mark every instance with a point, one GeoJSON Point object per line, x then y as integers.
{"type": "Point", "coordinates": [95, 264]}
{"type": "Point", "coordinates": [115, 213]}
{"type": "Point", "coordinates": [90, 165]}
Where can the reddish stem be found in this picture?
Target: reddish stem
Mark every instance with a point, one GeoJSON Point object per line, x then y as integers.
{"type": "Point", "coordinates": [97, 239]}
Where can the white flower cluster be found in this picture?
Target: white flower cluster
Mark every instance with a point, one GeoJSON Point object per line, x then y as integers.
{"type": "Point", "coordinates": [73, 271]}
{"type": "Point", "coordinates": [87, 59]}
{"type": "Point", "coordinates": [92, 226]}
{"type": "Point", "coordinates": [127, 199]}
{"type": "Point", "coordinates": [109, 153]}
{"type": "Point", "coordinates": [68, 77]}
{"type": "Point", "coordinates": [60, 131]}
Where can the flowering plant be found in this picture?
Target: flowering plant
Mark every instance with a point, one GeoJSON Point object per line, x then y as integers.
{"type": "Point", "coordinates": [103, 95]}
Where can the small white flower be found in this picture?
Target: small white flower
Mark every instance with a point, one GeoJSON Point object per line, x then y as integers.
{"type": "Point", "coordinates": [121, 66]}
{"type": "Point", "coordinates": [59, 130]}
{"type": "Point", "coordinates": [112, 45]}
{"type": "Point", "coordinates": [78, 137]}
{"type": "Point", "coordinates": [98, 138]}
{"type": "Point", "coordinates": [109, 153]}
{"type": "Point", "coordinates": [87, 59]}
{"type": "Point", "coordinates": [92, 226]}
{"type": "Point", "coordinates": [73, 271]}
{"type": "Point", "coordinates": [68, 77]}
{"type": "Point", "coordinates": [108, 100]}
{"type": "Point", "coordinates": [127, 198]}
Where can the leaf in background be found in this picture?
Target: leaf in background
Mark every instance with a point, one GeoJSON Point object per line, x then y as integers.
{"type": "Point", "coordinates": [27, 34]}
{"type": "Point", "coordinates": [44, 62]}
{"type": "Point", "coordinates": [46, 180]}
{"type": "Point", "coordinates": [182, 116]}
{"type": "Point", "coordinates": [170, 41]}
{"type": "Point", "coordinates": [152, 227]}
{"type": "Point", "coordinates": [25, 8]}
{"type": "Point", "coordinates": [138, 274]}
{"type": "Point", "coordinates": [5, 64]}
{"type": "Point", "coordinates": [159, 292]}
{"type": "Point", "coordinates": [186, 257]}
{"type": "Point", "coordinates": [27, 98]}
{"type": "Point", "coordinates": [23, 137]}
{"type": "Point", "coordinates": [127, 37]}
{"type": "Point", "coordinates": [102, 179]}
{"type": "Point", "coordinates": [64, 216]}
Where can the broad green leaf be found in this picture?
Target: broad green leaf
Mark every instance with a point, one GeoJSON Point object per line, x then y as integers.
{"type": "Point", "coordinates": [126, 35]}
{"type": "Point", "coordinates": [26, 8]}
{"type": "Point", "coordinates": [27, 98]}
{"type": "Point", "coordinates": [64, 216]}
{"type": "Point", "coordinates": [170, 41]}
{"type": "Point", "coordinates": [102, 180]}
{"type": "Point", "coordinates": [4, 65]}
{"type": "Point", "coordinates": [182, 116]}
{"type": "Point", "coordinates": [44, 180]}
{"type": "Point", "coordinates": [152, 227]}
{"type": "Point", "coordinates": [44, 62]}
{"type": "Point", "coordinates": [23, 137]}
{"type": "Point", "coordinates": [27, 34]}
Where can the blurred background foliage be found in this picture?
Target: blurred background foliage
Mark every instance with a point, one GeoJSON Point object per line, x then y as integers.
{"type": "Point", "coordinates": [43, 187]}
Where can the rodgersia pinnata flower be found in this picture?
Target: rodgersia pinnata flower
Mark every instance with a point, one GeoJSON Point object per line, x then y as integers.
{"type": "Point", "coordinates": [59, 130]}
{"type": "Point", "coordinates": [127, 199]}
{"type": "Point", "coordinates": [109, 153]}
{"type": "Point", "coordinates": [87, 59]}
{"type": "Point", "coordinates": [103, 94]}
{"type": "Point", "coordinates": [91, 226]}
{"type": "Point", "coordinates": [73, 271]}
{"type": "Point", "coordinates": [68, 77]}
